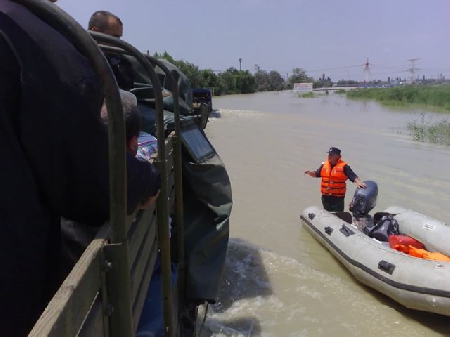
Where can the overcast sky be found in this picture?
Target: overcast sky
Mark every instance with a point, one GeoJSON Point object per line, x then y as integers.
{"type": "Point", "coordinates": [321, 36]}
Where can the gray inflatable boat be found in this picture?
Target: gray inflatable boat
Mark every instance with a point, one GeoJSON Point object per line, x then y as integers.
{"type": "Point", "coordinates": [416, 283]}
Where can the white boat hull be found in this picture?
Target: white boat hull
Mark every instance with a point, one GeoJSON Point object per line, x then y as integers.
{"type": "Point", "coordinates": [413, 282]}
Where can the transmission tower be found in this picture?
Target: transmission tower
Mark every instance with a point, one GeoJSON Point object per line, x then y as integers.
{"type": "Point", "coordinates": [412, 69]}
{"type": "Point", "coordinates": [366, 71]}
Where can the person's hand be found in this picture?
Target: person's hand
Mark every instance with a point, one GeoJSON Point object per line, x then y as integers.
{"type": "Point", "coordinates": [150, 201]}
{"type": "Point", "coordinates": [311, 173]}
{"type": "Point", "coordinates": [361, 184]}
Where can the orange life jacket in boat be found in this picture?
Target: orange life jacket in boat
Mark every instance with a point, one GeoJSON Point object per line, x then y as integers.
{"type": "Point", "coordinates": [404, 240]}
{"type": "Point", "coordinates": [333, 179]}
{"type": "Point", "coordinates": [421, 253]}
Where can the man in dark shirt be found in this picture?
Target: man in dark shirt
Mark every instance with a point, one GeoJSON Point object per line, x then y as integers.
{"type": "Point", "coordinates": [110, 24]}
{"type": "Point", "coordinates": [53, 160]}
{"type": "Point", "coordinates": [334, 172]}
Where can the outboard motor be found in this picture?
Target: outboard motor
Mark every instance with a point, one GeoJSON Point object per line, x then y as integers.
{"type": "Point", "coordinates": [364, 199]}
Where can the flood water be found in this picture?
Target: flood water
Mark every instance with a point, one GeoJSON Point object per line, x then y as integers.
{"type": "Point", "coordinates": [279, 281]}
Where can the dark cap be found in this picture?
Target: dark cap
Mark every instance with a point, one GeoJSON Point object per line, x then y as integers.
{"type": "Point", "coordinates": [334, 150]}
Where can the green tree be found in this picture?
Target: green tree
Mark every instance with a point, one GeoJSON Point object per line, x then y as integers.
{"type": "Point", "coordinates": [230, 82]}
{"type": "Point", "coordinates": [262, 81]}
{"type": "Point", "coordinates": [275, 80]}
{"type": "Point", "coordinates": [299, 76]}
{"type": "Point", "coordinates": [208, 79]}
{"type": "Point", "coordinates": [268, 81]}
{"type": "Point", "coordinates": [238, 81]}
{"type": "Point", "coordinates": [189, 69]}
{"type": "Point", "coordinates": [323, 83]}
{"type": "Point", "coordinates": [246, 82]}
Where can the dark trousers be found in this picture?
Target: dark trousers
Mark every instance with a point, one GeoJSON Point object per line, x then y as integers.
{"type": "Point", "coordinates": [333, 204]}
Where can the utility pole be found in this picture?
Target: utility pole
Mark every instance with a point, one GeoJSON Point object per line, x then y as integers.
{"type": "Point", "coordinates": [412, 69]}
{"type": "Point", "coordinates": [240, 61]}
{"type": "Point", "coordinates": [366, 72]}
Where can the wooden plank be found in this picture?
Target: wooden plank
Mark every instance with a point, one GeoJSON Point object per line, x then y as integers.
{"type": "Point", "coordinates": [68, 308]}
{"type": "Point", "coordinates": [145, 216]}
{"type": "Point", "coordinates": [144, 230]}
{"type": "Point", "coordinates": [172, 199]}
{"type": "Point", "coordinates": [170, 161]}
{"type": "Point", "coordinates": [169, 142]}
{"type": "Point", "coordinates": [118, 284]}
{"type": "Point", "coordinates": [140, 297]}
{"type": "Point", "coordinates": [171, 192]}
{"type": "Point", "coordinates": [169, 153]}
{"type": "Point", "coordinates": [129, 220]}
{"type": "Point", "coordinates": [147, 253]}
{"type": "Point", "coordinates": [94, 324]}
{"type": "Point", "coordinates": [170, 181]}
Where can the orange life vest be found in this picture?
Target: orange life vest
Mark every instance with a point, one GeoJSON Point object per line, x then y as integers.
{"type": "Point", "coordinates": [421, 253]}
{"type": "Point", "coordinates": [333, 179]}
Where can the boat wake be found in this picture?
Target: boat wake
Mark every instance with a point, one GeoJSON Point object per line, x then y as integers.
{"type": "Point", "coordinates": [235, 113]}
{"type": "Point", "coordinates": [265, 294]}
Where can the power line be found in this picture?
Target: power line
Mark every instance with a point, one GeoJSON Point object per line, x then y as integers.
{"type": "Point", "coordinates": [383, 66]}
{"type": "Point", "coordinates": [329, 69]}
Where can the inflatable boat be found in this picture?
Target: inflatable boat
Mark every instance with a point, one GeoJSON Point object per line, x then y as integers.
{"type": "Point", "coordinates": [416, 283]}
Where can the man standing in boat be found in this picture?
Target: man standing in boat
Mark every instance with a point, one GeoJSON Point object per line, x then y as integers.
{"type": "Point", "coordinates": [334, 173]}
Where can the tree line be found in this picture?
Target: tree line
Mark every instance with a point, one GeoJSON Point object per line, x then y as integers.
{"type": "Point", "coordinates": [234, 81]}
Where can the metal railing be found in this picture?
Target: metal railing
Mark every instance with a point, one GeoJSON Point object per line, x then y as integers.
{"type": "Point", "coordinates": [104, 293]}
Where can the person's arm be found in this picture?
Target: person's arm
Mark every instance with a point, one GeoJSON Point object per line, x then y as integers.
{"type": "Point", "coordinates": [144, 183]}
{"type": "Point", "coordinates": [311, 173]}
{"type": "Point", "coordinates": [353, 177]}
{"type": "Point", "coordinates": [150, 201]}
{"type": "Point", "coordinates": [316, 173]}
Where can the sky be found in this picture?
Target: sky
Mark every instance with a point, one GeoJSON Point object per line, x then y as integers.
{"type": "Point", "coordinates": [328, 37]}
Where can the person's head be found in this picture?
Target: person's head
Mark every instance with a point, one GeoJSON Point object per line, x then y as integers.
{"type": "Point", "coordinates": [334, 154]}
{"type": "Point", "coordinates": [132, 120]}
{"type": "Point", "coordinates": [106, 23]}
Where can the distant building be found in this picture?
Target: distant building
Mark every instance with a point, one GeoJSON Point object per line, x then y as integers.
{"type": "Point", "coordinates": [302, 87]}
